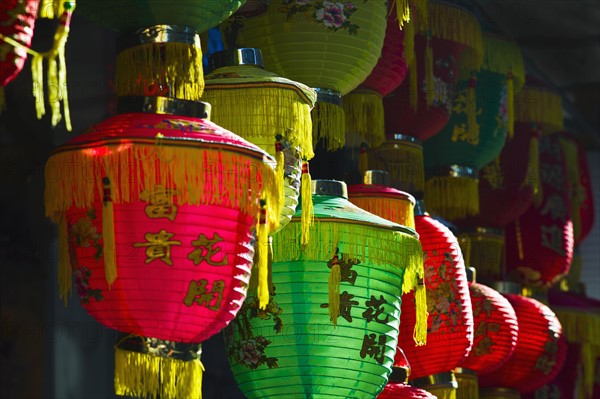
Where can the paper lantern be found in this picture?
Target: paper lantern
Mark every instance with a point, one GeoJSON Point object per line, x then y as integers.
{"type": "Point", "coordinates": [274, 113]}
{"type": "Point", "coordinates": [326, 45]}
{"type": "Point", "coordinates": [159, 51]}
{"type": "Point", "coordinates": [330, 327]}
{"type": "Point", "coordinates": [476, 131]}
{"type": "Point", "coordinates": [539, 244]}
{"type": "Point", "coordinates": [421, 106]}
{"type": "Point", "coordinates": [484, 247]}
{"type": "Point", "coordinates": [375, 196]}
{"type": "Point", "coordinates": [156, 215]}
{"type": "Point", "coordinates": [397, 387]}
{"type": "Point", "coordinates": [540, 351]}
{"type": "Point", "coordinates": [402, 158]}
{"type": "Point", "coordinates": [450, 320]}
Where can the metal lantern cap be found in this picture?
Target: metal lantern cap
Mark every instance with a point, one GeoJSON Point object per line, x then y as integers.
{"type": "Point", "coordinates": [163, 106]}
{"type": "Point", "coordinates": [506, 287]}
{"type": "Point", "coordinates": [377, 177]}
{"type": "Point", "coordinates": [453, 171]}
{"type": "Point", "coordinates": [159, 34]}
{"type": "Point", "coordinates": [471, 274]}
{"type": "Point", "coordinates": [328, 96]}
{"type": "Point", "coordinates": [334, 188]}
{"type": "Point", "coordinates": [405, 137]}
{"type": "Point", "coordinates": [237, 56]}
{"type": "Point", "coordinates": [420, 209]}
{"type": "Point", "coordinates": [446, 379]}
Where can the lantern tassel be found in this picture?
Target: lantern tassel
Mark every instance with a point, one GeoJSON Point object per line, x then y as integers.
{"type": "Point", "coordinates": [144, 375]}
{"type": "Point", "coordinates": [420, 331]}
{"type": "Point", "coordinates": [307, 218]}
{"type": "Point", "coordinates": [280, 169]}
{"type": "Point", "coordinates": [329, 124]}
{"type": "Point", "coordinates": [51, 8]}
{"type": "Point", "coordinates": [334, 290]}
{"type": "Point", "coordinates": [109, 250]}
{"type": "Point", "coordinates": [472, 126]}
{"type": "Point", "coordinates": [65, 270]}
{"type": "Point", "coordinates": [363, 159]}
{"type": "Point", "coordinates": [429, 77]}
{"type": "Point", "coordinates": [263, 260]}
{"type": "Point", "coordinates": [411, 61]}
{"type": "Point", "coordinates": [452, 197]}
{"type": "Point", "coordinates": [533, 178]}
{"type": "Point", "coordinates": [510, 104]}
{"type": "Point", "coordinates": [570, 153]}
{"type": "Point", "coordinates": [363, 110]}
{"type": "Point", "coordinates": [396, 211]}
{"type": "Point", "coordinates": [402, 12]}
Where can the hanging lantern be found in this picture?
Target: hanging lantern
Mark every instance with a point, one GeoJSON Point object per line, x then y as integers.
{"type": "Point", "coordinates": [159, 52]}
{"type": "Point", "coordinates": [450, 319]}
{"type": "Point", "coordinates": [315, 42]}
{"type": "Point", "coordinates": [580, 192]}
{"type": "Point", "coordinates": [274, 111]}
{"type": "Point", "coordinates": [156, 211]}
{"type": "Point", "coordinates": [421, 106]}
{"type": "Point", "coordinates": [476, 131]}
{"type": "Point", "coordinates": [402, 158]}
{"type": "Point", "coordinates": [397, 387]}
{"type": "Point", "coordinates": [539, 244]}
{"type": "Point", "coordinates": [484, 247]}
{"type": "Point", "coordinates": [540, 351]}
{"type": "Point", "coordinates": [331, 323]}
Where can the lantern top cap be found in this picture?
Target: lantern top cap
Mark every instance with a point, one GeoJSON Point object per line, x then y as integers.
{"type": "Point", "coordinates": [471, 275]}
{"type": "Point", "coordinates": [420, 209]}
{"type": "Point", "coordinates": [334, 188]}
{"type": "Point", "coordinates": [446, 379]}
{"type": "Point", "coordinates": [163, 106]}
{"type": "Point", "coordinates": [159, 34]}
{"type": "Point", "coordinates": [377, 177]}
{"type": "Point", "coordinates": [328, 96]}
{"type": "Point", "coordinates": [237, 56]}
{"type": "Point", "coordinates": [506, 287]}
{"type": "Point", "coordinates": [454, 171]}
{"type": "Point", "coordinates": [405, 137]}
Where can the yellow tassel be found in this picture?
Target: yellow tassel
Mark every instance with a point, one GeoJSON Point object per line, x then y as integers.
{"type": "Point", "coordinates": [577, 190]}
{"type": "Point", "coordinates": [443, 392]}
{"type": "Point", "coordinates": [329, 124]}
{"type": "Point", "coordinates": [308, 213]}
{"type": "Point", "coordinates": [364, 115]}
{"type": "Point", "coordinates": [533, 178]}
{"type": "Point", "coordinates": [52, 8]}
{"type": "Point", "coordinates": [452, 197]}
{"type": "Point", "coordinates": [468, 386]}
{"type": "Point", "coordinates": [429, 77]}
{"type": "Point", "coordinates": [519, 239]}
{"type": "Point", "coordinates": [420, 331]}
{"type": "Point", "coordinates": [108, 235]}
{"type": "Point", "coordinates": [65, 270]}
{"type": "Point", "coordinates": [472, 126]}
{"type": "Point", "coordinates": [402, 12]}
{"type": "Point", "coordinates": [334, 290]}
{"type": "Point", "coordinates": [177, 66]}
{"type": "Point", "coordinates": [144, 375]}
{"type": "Point", "coordinates": [279, 170]}
{"type": "Point", "coordinates": [263, 260]}
{"type": "Point", "coordinates": [363, 159]}
{"type": "Point", "coordinates": [510, 104]}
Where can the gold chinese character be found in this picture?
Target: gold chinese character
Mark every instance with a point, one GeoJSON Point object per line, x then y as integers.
{"type": "Point", "coordinates": [545, 364]}
{"type": "Point", "coordinates": [206, 250]}
{"type": "Point", "coordinates": [556, 207]}
{"type": "Point", "coordinates": [553, 176]}
{"type": "Point", "coordinates": [197, 293]}
{"type": "Point", "coordinates": [160, 203]}
{"type": "Point", "coordinates": [552, 237]}
{"type": "Point", "coordinates": [158, 246]}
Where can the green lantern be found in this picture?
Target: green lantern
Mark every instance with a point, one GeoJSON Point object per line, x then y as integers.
{"type": "Point", "coordinates": [482, 116]}
{"type": "Point", "coordinates": [331, 326]}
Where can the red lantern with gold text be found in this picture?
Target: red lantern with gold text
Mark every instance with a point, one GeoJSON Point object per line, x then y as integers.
{"type": "Point", "coordinates": [421, 106]}
{"type": "Point", "coordinates": [539, 244]}
{"type": "Point", "coordinates": [156, 215]}
{"type": "Point", "coordinates": [540, 351]}
{"type": "Point", "coordinates": [450, 320]}
{"type": "Point", "coordinates": [397, 387]}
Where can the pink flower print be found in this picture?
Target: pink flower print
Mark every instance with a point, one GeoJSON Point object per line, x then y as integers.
{"type": "Point", "coordinates": [248, 353]}
{"type": "Point", "coordinates": [332, 14]}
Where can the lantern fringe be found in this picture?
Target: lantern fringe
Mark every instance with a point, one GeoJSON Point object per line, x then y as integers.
{"type": "Point", "coordinates": [403, 163]}
{"type": "Point", "coordinates": [533, 178]}
{"type": "Point", "coordinates": [144, 375]}
{"type": "Point", "coordinates": [397, 211]}
{"type": "Point", "coordinates": [452, 197]}
{"type": "Point", "coordinates": [444, 392]}
{"type": "Point", "coordinates": [176, 65]}
{"type": "Point", "coordinates": [510, 104]}
{"type": "Point", "coordinates": [480, 250]}
{"type": "Point", "coordinates": [109, 250]}
{"type": "Point", "coordinates": [363, 109]}
{"type": "Point", "coordinates": [308, 213]}
{"type": "Point", "coordinates": [402, 12]}
{"type": "Point", "coordinates": [540, 105]}
{"type": "Point", "coordinates": [65, 270]}
{"type": "Point", "coordinates": [274, 106]}
{"type": "Point", "coordinates": [329, 123]}
{"type": "Point", "coordinates": [334, 291]}
{"type": "Point", "coordinates": [468, 387]}
{"type": "Point", "coordinates": [571, 160]}
{"type": "Point", "coordinates": [429, 76]}
{"type": "Point", "coordinates": [263, 260]}
{"type": "Point", "coordinates": [51, 8]}
{"type": "Point", "coordinates": [420, 331]}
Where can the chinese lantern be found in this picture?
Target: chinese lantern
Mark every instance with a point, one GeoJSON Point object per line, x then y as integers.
{"type": "Point", "coordinates": [156, 213]}
{"type": "Point", "coordinates": [580, 192]}
{"type": "Point", "coordinates": [329, 46]}
{"type": "Point", "coordinates": [159, 51]}
{"type": "Point", "coordinates": [484, 247]}
{"type": "Point", "coordinates": [477, 129]}
{"type": "Point", "coordinates": [330, 327]}
{"type": "Point", "coordinates": [539, 244]}
{"type": "Point", "coordinates": [397, 387]}
{"type": "Point", "coordinates": [450, 319]}
{"type": "Point", "coordinates": [540, 350]}
{"type": "Point", "coordinates": [421, 106]}
{"type": "Point", "coordinates": [273, 111]}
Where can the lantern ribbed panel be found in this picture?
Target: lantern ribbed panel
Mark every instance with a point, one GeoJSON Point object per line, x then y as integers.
{"type": "Point", "coordinates": [386, 202]}
{"type": "Point", "coordinates": [128, 15]}
{"type": "Point", "coordinates": [496, 330]}
{"type": "Point", "coordinates": [539, 245]}
{"type": "Point", "coordinates": [450, 321]}
{"type": "Point", "coordinates": [293, 349]}
{"type": "Point", "coordinates": [16, 23]}
{"type": "Point", "coordinates": [404, 391]}
{"type": "Point", "coordinates": [319, 52]}
{"type": "Point", "coordinates": [540, 351]}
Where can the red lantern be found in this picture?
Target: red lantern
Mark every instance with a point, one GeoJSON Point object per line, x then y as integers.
{"type": "Point", "coordinates": [17, 21]}
{"type": "Point", "coordinates": [539, 244]}
{"type": "Point", "coordinates": [540, 351]}
{"type": "Point", "coordinates": [450, 320]}
{"type": "Point", "coordinates": [397, 387]}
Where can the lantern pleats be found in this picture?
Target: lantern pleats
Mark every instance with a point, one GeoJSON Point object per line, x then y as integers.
{"type": "Point", "coordinates": [17, 23]}
{"type": "Point", "coordinates": [404, 391]}
{"type": "Point", "coordinates": [541, 105]}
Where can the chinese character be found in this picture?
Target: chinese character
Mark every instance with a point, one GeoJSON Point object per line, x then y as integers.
{"type": "Point", "coordinates": [552, 237]}
{"type": "Point", "coordinates": [158, 246]}
{"type": "Point", "coordinates": [161, 203]}
{"type": "Point", "coordinates": [555, 205]}
{"type": "Point", "coordinates": [483, 347]}
{"type": "Point", "coordinates": [372, 349]}
{"type": "Point", "coordinates": [346, 273]}
{"type": "Point", "coordinates": [207, 250]}
{"type": "Point", "coordinates": [375, 309]}
{"type": "Point", "coordinates": [346, 304]}
{"type": "Point", "coordinates": [545, 364]}
{"type": "Point", "coordinates": [553, 176]}
{"type": "Point", "coordinates": [197, 293]}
